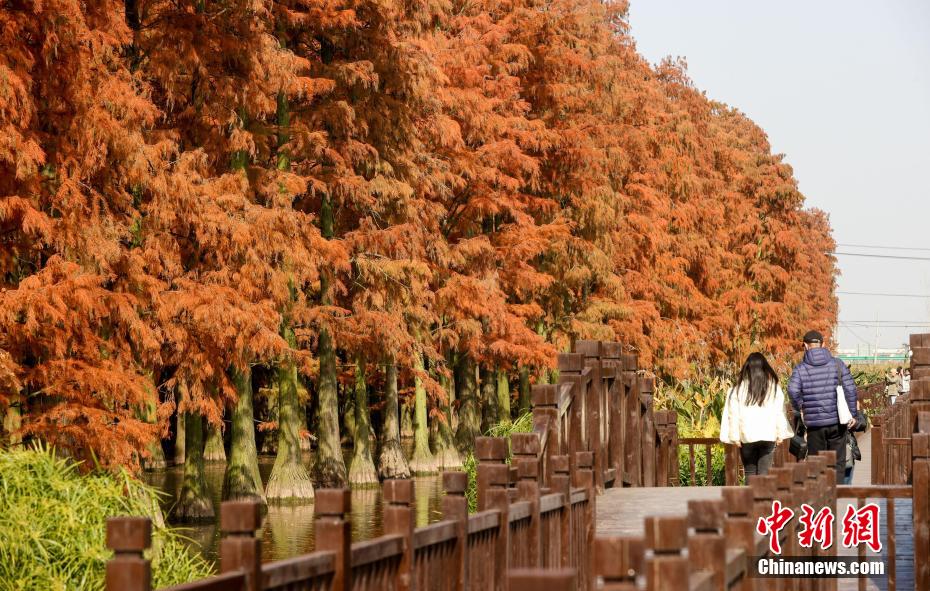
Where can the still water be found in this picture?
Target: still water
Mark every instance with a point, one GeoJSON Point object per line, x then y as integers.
{"type": "Point", "coordinates": [288, 530]}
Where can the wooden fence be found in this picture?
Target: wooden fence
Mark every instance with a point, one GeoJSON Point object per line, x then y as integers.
{"type": "Point", "coordinates": [535, 524]}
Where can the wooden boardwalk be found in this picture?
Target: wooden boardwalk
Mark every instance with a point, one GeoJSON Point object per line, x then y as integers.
{"type": "Point", "coordinates": [621, 511]}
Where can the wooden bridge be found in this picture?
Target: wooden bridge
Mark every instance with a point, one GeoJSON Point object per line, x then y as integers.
{"type": "Point", "coordinates": [589, 500]}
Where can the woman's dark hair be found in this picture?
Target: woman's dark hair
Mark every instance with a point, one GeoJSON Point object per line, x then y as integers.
{"type": "Point", "coordinates": [759, 377]}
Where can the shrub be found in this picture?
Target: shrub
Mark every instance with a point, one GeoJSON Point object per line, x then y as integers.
{"type": "Point", "coordinates": [53, 525]}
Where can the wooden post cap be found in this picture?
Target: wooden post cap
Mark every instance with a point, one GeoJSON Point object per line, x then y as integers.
{"type": "Point", "coordinates": [800, 473]}
{"type": "Point", "coordinates": [920, 340]}
{"type": "Point", "coordinates": [571, 362]}
{"type": "Point", "coordinates": [497, 474]}
{"type": "Point", "coordinates": [528, 469]}
{"type": "Point", "coordinates": [763, 487]}
{"type": "Point", "coordinates": [611, 350]}
{"type": "Point", "coordinates": [738, 500]}
{"type": "Point", "coordinates": [784, 478]}
{"type": "Point", "coordinates": [333, 501]}
{"type": "Point", "coordinates": [666, 534]}
{"type": "Point", "coordinates": [398, 492]}
{"type": "Point", "coordinates": [630, 361]}
{"type": "Point", "coordinates": [705, 514]}
{"type": "Point", "coordinates": [588, 348]}
{"type": "Point", "coordinates": [491, 449]}
{"type": "Point", "coordinates": [454, 483]}
{"type": "Point", "coordinates": [560, 464]}
{"type": "Point", "coordinates": [584, 460]}
{"type": "Point", "coordinates": [618, 557]}
{"type": "Point", "coordinates": [525, 444]}
{"type": "Point", "coordinates": [920, 356]}
{"type": "Point", "coordinates": [920, 389]}
{"type": "Point", "coordinates": [545, 394]}
{"type": "Point", "coordinates": [129, 534]}
{"type": "Point", "coordinates": [920, 445]}
{"type": "Point", "coordinates": [561, 579]}
{"type": "Point", "coordinates": [240, 517]}
{"type": "Point", "coordinates": [647, 384]}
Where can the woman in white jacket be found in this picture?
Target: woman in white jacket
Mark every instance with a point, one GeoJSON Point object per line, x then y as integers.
{"type": "Point", "coordinates": [754, 415]}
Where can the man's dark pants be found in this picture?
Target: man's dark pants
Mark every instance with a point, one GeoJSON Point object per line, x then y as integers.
{"type": "Point", "coordinates": [831, 437]}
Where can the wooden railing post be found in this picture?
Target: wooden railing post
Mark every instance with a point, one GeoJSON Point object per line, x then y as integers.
{"type": "Point", "coordinates": [398, 519]}
{"type": "Point", "coordinates": [763, 492]}
{"type": "Point", "coordinates": [828, 480]}
{"type": "Point", "coordinates": [739, 528]}
{"type": "Point", "coordinates": [593, 401]}
{"type": "Point", "coordinates": [561, 483]}
{"type": "Point", "coordinates": [455, 508]}
{"type": "Point", "coordinates": [571, 371]}
{"type": "Point", "coordinates": [731, 464]}
{"type": "Point", "coordinates": [332, 507]}
{"type": "Point", "coordinates": [632, 466]}
{"type": "Point", "coordinates": [878, 450]}
{"type": "Point", "coordinates": [546, 412]}
{"type": "Point", "coordinates": [673, 464]}
{"type": "Point", "coordinates": [618, 561]}
{"type": "Point", "coordinates": [615, 423]}
{"type": "Point", "coordinates": [667, 568]}
{"type": "Point", "coordinates": [128, 570]}
{"type": "Point", "coordinates": [493, 479]}
{"type": "Point", "coordinates": [584, 478]}
{"type": "Point", "coordinates": [920, 449]}
{"type": "Point", "coordinates": [525, 454]}
{"type": "Point", "coordinates": [240, 549]}
{"type": "Point", "coordinates": [664, 452]}
{"type": "Point", "coordinates": [646, 388]}
{"type": "Point", "coordinates": [784, 480]}
{"type": "Point", "coordinates": [706, 546]}
{"type": "Point", "coordinates": [562, 579]}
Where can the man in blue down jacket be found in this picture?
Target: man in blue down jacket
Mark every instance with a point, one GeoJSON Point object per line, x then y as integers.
{"type": "Point", "coordinates": [812, 389]}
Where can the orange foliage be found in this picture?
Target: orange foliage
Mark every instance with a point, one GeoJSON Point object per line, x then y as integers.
{"type": "Point", "coordinates": [503, 178]}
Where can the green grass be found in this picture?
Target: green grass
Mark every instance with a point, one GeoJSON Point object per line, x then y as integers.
{"type": "Point", "coordinates": [523, 424]}
{"type": "Point", "coordinates": [53, 525]}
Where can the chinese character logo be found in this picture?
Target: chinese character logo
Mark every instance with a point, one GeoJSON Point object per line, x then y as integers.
{"type": "Point", "coordinates": [816, 527]}
{"type": "Point", "coordinates": [773, 524]}
{"type": "Point", "coordinates": [861, 527]}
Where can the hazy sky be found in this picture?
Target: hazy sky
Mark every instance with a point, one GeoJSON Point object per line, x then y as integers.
{"type": "Point", "coordinates": [843, 89]}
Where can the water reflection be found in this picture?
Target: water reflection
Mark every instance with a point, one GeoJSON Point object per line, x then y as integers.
{"type": "Point", "coordinates": [287, 530]}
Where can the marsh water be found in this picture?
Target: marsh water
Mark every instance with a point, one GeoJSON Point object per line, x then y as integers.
{"type": "Point", "coordinates": [287, 530]}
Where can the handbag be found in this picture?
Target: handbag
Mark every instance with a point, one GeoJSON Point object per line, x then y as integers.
{"type": "Point", "coordinates": [797, 446]}
{"type": "Point", "coordinates": [842, 409]}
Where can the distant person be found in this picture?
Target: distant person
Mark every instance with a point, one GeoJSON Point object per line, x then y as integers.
{"type": "Point", "coordinates": [891, 385]}
{"type": "Point", "coordinates": [754, 415]}
{"type": "Point", "coordinates": [813, 393]}
{"type": "Point", "coordinates": [906, 381]}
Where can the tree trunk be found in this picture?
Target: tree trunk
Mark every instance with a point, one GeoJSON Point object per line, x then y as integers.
{"type": "Point", "coordinates": [194, 503]}
{"type": "Point", "coordinates": [242, 480]}
{"type": "Point", "coordinates": [12, 423]}
{"type": "Point", "coordinates": [503, 397]}
{"type": "Point", "coordinates": [447, 457]}
{"type": "Point", "coordinates": [406, 419]}
{"type": "Point", "coordinates": [490, 415]}
{"type": "Point", "coordinates": [422, 461]}
{"type": "Point", "coordinates": [156, 456]}
{"type": "Point", "coordinates": [329, 467]}
{"type": "Point", "coordinates": [290, 480]}
{"type": "Point", "coordinates": [362, 468]}
{"type": "Point", "coordinates": [270, 436]}
{"type": "Point", "coordinates": [526, 402]}
{"type": "Point", "coordinates": [180, 428]}
{"type": "Point", "coordinates": [392, 463]}
{"type": "Point", "coordinates": [214, 451]}
{"type": "Point", "coordinates": [466, 392]}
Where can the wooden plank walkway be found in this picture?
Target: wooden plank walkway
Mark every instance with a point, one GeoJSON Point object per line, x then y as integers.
{"type": "Point", "coordinates": [621, 511]}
